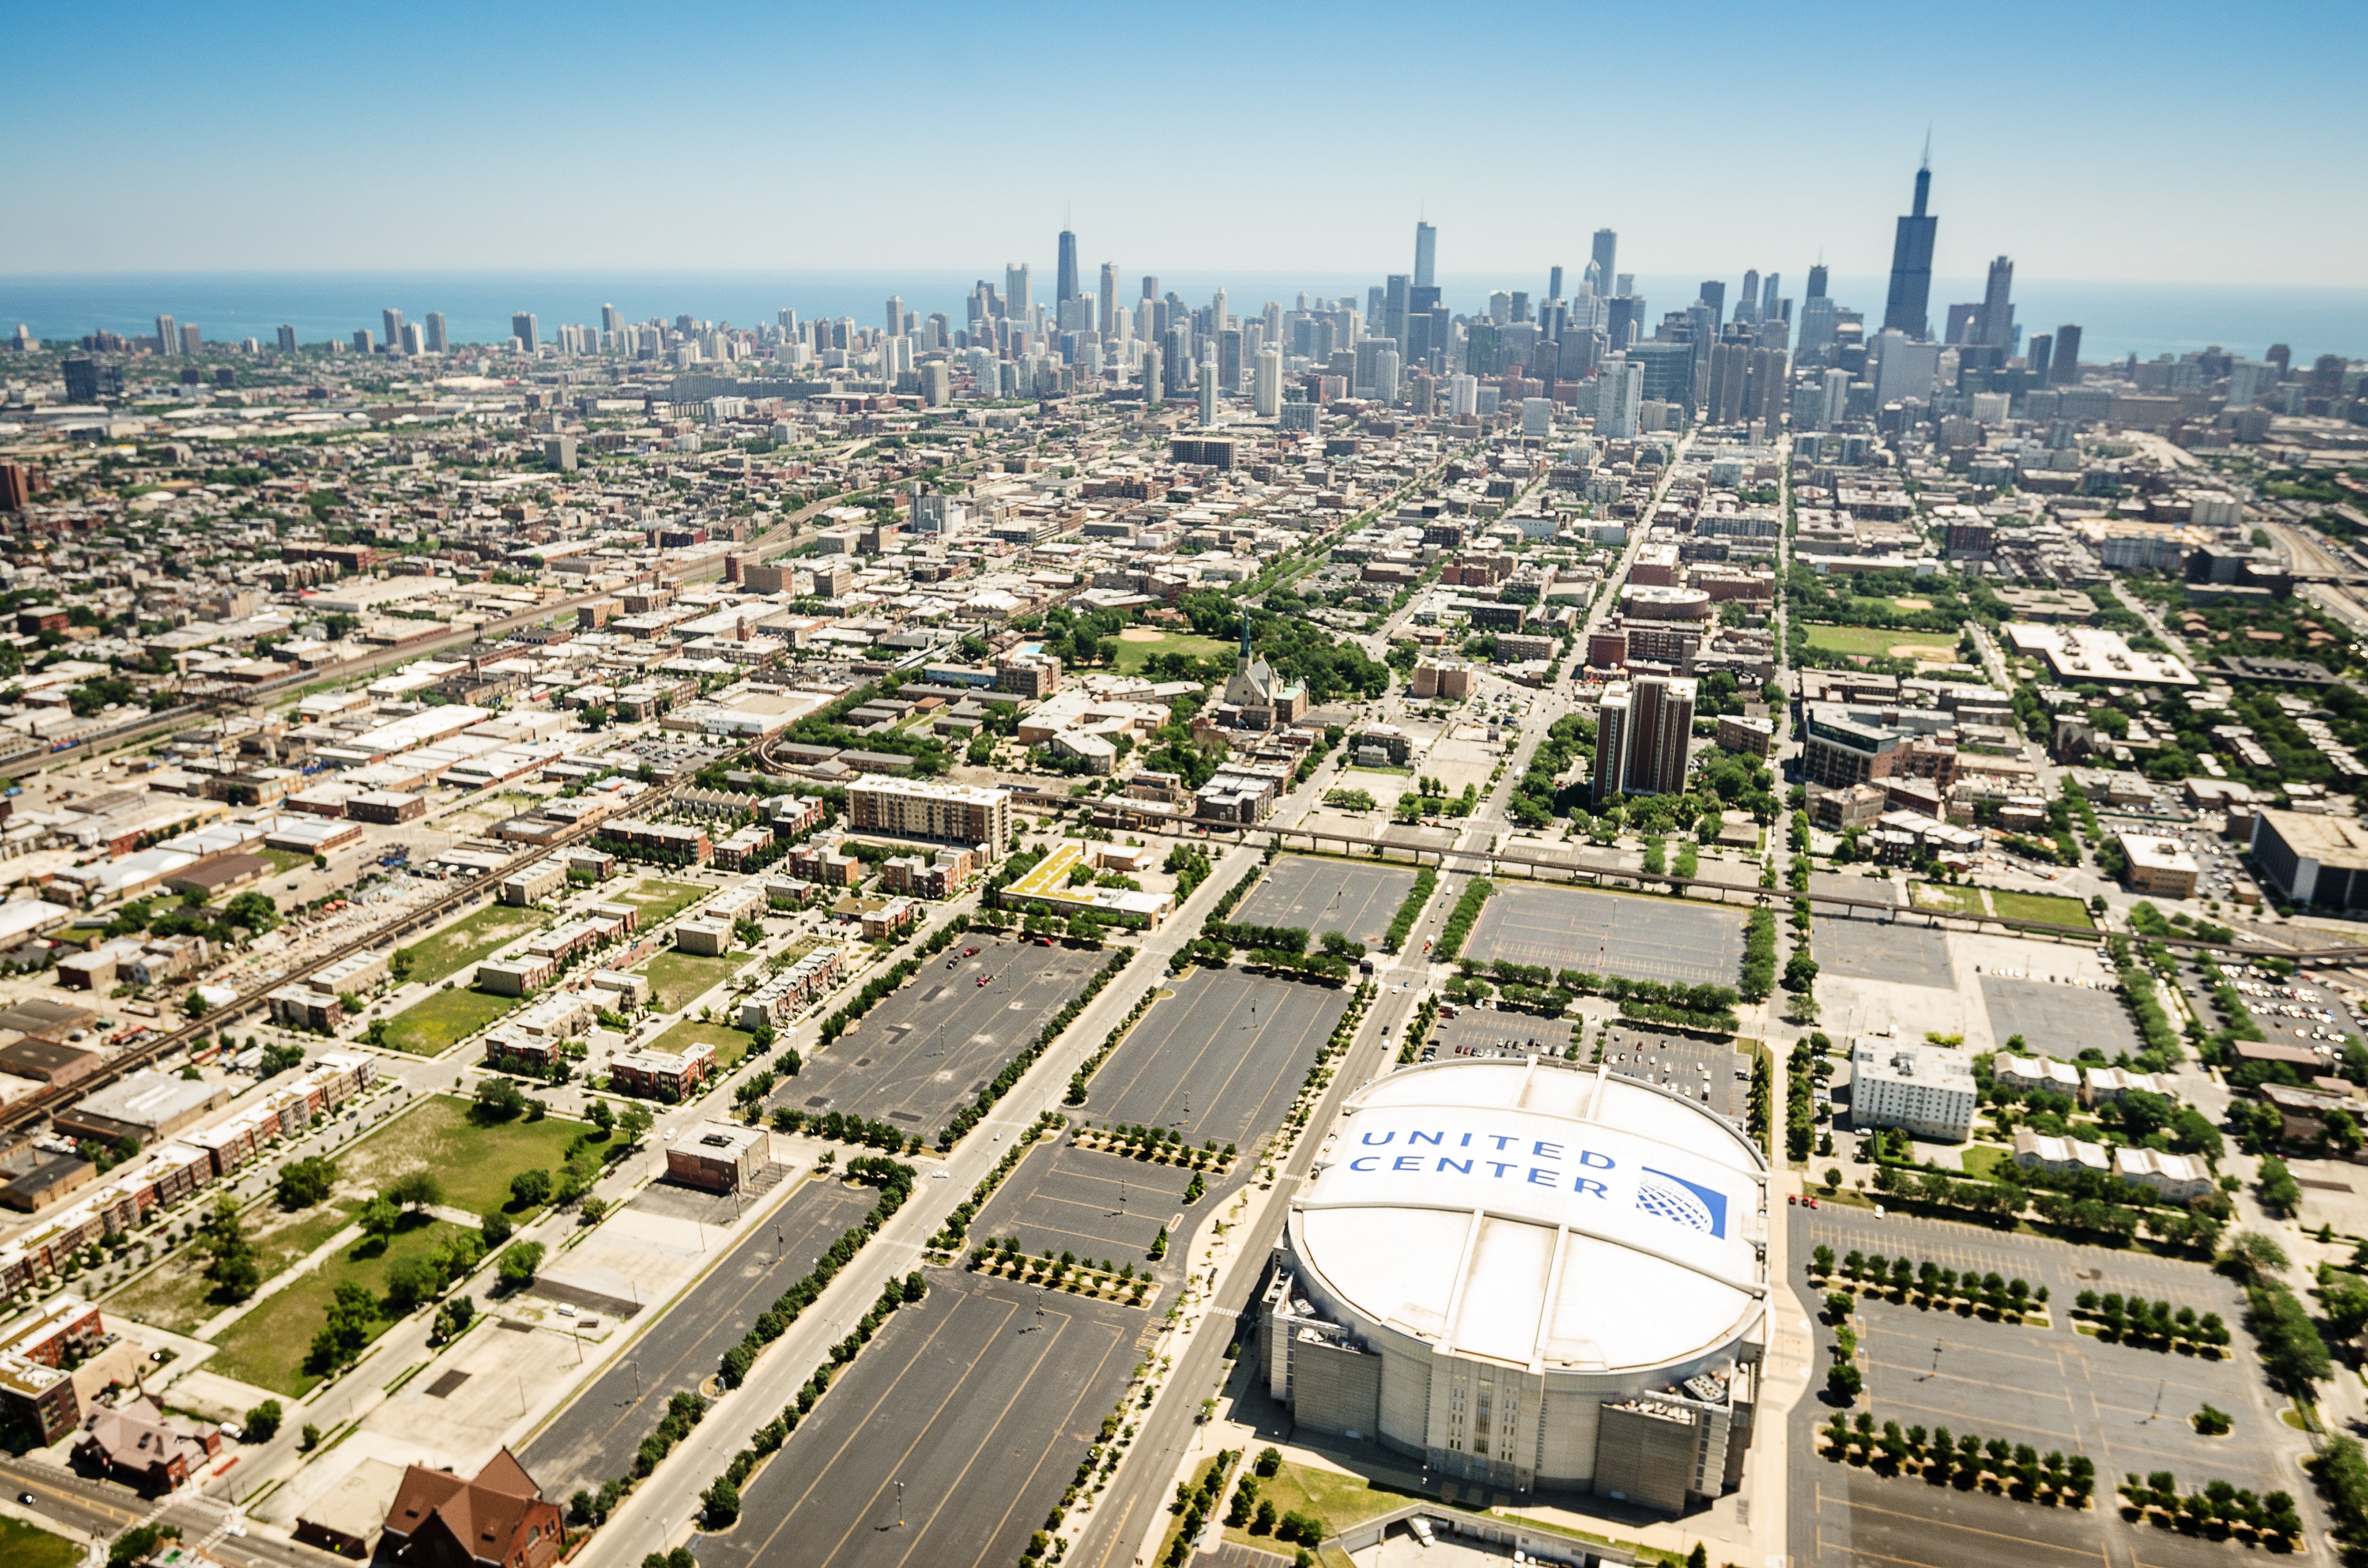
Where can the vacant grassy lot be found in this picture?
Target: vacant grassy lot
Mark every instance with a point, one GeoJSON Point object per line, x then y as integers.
{"type": "Point", "coordinates": [1877, 640]}
{"type": "Point", "coordinates": [176, 1295]}
{"type": "Point", "coordinates": [660, 899]}
{"type": "Point", "coordinates": [473, 1161]}
{"type": "Point", "coordinates": [268, 1345]}
{"type": "Point", "coordinates": [466, 941]}
{"type": "Point", "coordinates": [676, 978]}
{"type": "Point", "coordinates": [22, 1546]}
{"type": "Point", "coordinates": [2054, 908]}
{"type": "Point", "coordinates": [428, 1027]}
{"type": "Point", "coordinates": [730, 1044]}
{"type": "Point", "coordinates": [1949, 900]}
{"type": "Point", "coordinates": [1981, 904]}
{"type": "Point", "coordinates": [1134, 651]}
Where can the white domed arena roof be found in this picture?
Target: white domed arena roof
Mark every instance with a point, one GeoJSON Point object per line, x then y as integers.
{"type": "Point", "coordinates": [1541, 1215]}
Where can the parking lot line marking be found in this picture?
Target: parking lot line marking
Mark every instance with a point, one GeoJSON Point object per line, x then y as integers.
{"type": "Point", "coordinates": [815, 1476]}
{"type": "Point", "coordinates": [1858, 1507]}
{"type": "Point", "coordinates": [1053, 1341]}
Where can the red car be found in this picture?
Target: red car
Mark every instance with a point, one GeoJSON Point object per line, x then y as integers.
{"type": "Point", "coordinates": [982, 979]}
{"type": "Point", "coordinates": [970, 952]}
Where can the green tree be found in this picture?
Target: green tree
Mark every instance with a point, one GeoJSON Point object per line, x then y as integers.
{"type": "Point", "coordinates": [230, 1265]}
{"type": "Point", "coordinates": [2278, 1191]}
{"type": "Point", "coordinates": [411, 1281]}
{"type": "Point", "coordinates": [304, 1183]}
{"type": "Point", "coordinates": [252, 910]}
{"type": "Point", "coordinates": [377, 1217]}
{"type": "Point", "coordinates": [417, 1189]}
{"type": "Point", "coordinates": [518, 1265]}
{"type": "Point", "coordinates": [261, 1424]}
{"type": "Point", "coordinates": [530, 1190]}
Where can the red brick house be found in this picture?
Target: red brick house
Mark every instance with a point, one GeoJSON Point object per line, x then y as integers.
{"type": "Point", "coordinates": [498, 1520]}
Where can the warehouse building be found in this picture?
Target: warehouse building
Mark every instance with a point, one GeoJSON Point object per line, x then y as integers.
{"type": "Point", "coordinates": [1529, 1275]}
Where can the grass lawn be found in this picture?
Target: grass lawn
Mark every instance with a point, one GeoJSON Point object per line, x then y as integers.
{"type": "Point", "coordinates": [1949, 900]}
{"type": "Point", "coordinates": [465, 941]}
{"type": "Point", "coordinates": [2054, 908]}
{"type": "Point", "coordinates": [660, 899]}
{"type": "Point", "coordinates": [22, 1546]}
{"type": "Point", "coordinates": [1344, 1500]}
{"type": "Point", "coordinates": [285, 860]}
{"type": "Point", "coordinates": [429, 1026]}
{"type": "Point", "coordinates": [1880, 640]}
{"type": "Point", "coordinates": [267, 1347]}
{"type": "Point", "coordinates": [676, 978]}
{"type": "Point", "coordinates": [1982, 1160]}
{"type": "Point", "coordinates": [474, 1161]}
{"type": "Point", "coordinates": [730, 1044]}
{"type": "Point", "coordinates": [1132, 654]}
{"type": "Point", "coordinates": [177, 1295]}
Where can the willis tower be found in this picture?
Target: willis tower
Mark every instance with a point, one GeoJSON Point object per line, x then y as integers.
{"type": "Point", "coordinates": [1909, 309]}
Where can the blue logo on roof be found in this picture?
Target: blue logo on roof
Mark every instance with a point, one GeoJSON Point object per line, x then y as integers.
{"type": "Point", "coordinates": [1682, 1202]}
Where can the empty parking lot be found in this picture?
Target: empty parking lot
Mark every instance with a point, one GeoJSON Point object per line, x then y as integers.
{"type": "Point", "coordinates": [592, 1440]}
{"type": "Point", "coordinates": [1642, 937]}
{"type": "Point", "coordinates": [1912, 954]}
{"type": "Point", "coordinates": [1220, 1058]}
{"type": "Point", "coordinates": [950, 1437]}
{"type": "Point", "coordinates": [2125, 1407]}
{"type": "Point", "coordinates": [2057, 1019]}
{"type": "Point", "coordinates": [1103, 1207]}
{"type": "Point", "coordinates": [1320, 895]}
{"type": "Point", "coordinates": [936, 1042]}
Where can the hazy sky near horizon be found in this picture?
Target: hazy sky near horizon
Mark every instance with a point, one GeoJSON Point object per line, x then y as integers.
{"type": "Point", "coordinates": [2177, 142]}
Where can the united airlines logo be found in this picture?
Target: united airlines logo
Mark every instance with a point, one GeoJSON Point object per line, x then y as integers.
{"type": "Point", "coordinates": [1682, 1202]}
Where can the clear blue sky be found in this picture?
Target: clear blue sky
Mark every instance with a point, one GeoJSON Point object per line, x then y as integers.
{"type": "Point", "coordinates": [2180, 142]}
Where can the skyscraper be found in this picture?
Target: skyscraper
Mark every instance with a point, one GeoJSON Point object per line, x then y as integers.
{"type": "Point", "coordinates": [168, 336]}
{"type": "Point", "coordinates": [1993, 323]}
{"type": "Point", "coordinates": [1746, 300]}
{"type": "Point", "coordinates": [1640, 736]}
{"type": "Point", "coordinates": [288, 337]}
{"type": "Point", "coordinates": [1105, 314]}
{"type": "Point", "coordinates": [2042, 350]}
{"type": "Point", "coordinates": [434, 337]}
{"type": "Point", "coordinates": [1014, 290]}
{"type": "Point", "coordinates": [1770, 307]}
{"type": "Point", "coordinates": [1816, 282]}
{"type": "Point", "coordinates": [1394, 309]}
{"type": "Point", "coordinates": [1208, 396]}
{"type": "Point", "coordinates": [1270, 383]}
{"type": "Point", "coordinates": [1607, 251]}
{"type": "Point", "coordinates": [524, 328]}
{"type": "Point", "coordinates": [1064, 285]}
{"type": "Point", "coordinates": [192, 337]}
{"type": "Point", "coordinates": [2064, 369]}
{"type": "Point", "coordinates": [1714, 294]}
{"type": "Point", "coordinates": [391, 319]}
{"type": "Point", "coordinates": [1426, 254]}
{"type": "Point", "coordinates": [1554, 283]}
{"type": "Point", "coordinates": [1909, 307]}
{"type": "Point", "coordinates": [895, 315]}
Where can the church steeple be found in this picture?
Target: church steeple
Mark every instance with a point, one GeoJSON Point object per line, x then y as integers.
{"type": "Point", "coordinates": [1245, 637]}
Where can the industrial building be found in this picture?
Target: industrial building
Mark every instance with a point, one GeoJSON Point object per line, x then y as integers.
{"type": "Point", "coordinates": [1529, 1275]}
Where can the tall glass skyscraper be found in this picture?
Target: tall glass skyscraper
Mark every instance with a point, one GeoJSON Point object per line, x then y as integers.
{"type": "Point", "coordinates": [1908, 308]}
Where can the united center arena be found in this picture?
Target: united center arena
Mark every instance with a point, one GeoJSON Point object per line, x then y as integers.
{"type": "Point", "coordinates": [1529, 1275]}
